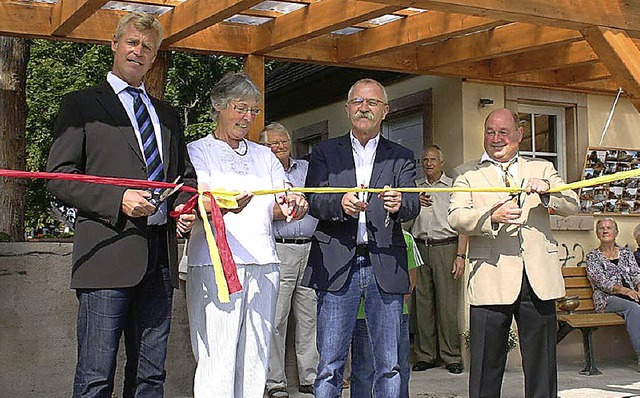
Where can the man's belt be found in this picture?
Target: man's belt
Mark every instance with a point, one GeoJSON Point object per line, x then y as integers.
{"type": "Point", "coordinates": [437, 242]}
{"type": "Point", "coordinates": [296, 241]}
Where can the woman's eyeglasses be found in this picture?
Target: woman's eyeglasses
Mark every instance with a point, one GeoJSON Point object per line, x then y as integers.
{"type": "Point", "coordinates": [244, 109]}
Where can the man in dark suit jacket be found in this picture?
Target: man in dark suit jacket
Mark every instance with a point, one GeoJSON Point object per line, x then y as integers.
{"type": "Point", "coordinates": [125, 250]}
{"type": "Point", "coordinates": [358, 250]}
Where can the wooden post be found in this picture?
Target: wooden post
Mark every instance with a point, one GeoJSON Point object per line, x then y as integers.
{"type": "Point", "coordinates": [156, 79]}
{"type": "Point", "coordinates": [254, 67]}
{"type": "Point", "coordinates": [14, 56]}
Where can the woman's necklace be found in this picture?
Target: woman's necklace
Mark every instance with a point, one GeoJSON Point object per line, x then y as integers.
{"type": "Point", "coordinates": [239, 151]}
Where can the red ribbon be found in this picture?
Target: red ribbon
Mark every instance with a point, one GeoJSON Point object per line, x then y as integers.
{"type": "Point", "coordinates": [121, 182]}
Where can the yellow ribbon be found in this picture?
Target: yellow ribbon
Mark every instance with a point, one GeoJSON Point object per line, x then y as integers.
{"type": "Point", "coordinates": [621, 175]}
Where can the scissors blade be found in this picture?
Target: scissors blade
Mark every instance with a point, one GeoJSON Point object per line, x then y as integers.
{"type": "Point", "coordinates": [170, 191]}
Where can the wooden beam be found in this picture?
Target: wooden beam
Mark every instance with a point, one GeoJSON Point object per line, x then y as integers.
{"type": "Point", "coordinates": [254, 67]}
{"type": "Point", "coordinates": [552, 57]}
{"type": "Point", "coordinates": [314, 20]}
{"type": "Point", "coordinates": [413, 30]}
{"type": "Point", "coordinates": [66, 15]}
{"type": "Point", "coordinates": [503, 40]}
{"type": "Point", "coordinates": [568, 14]}
{"type": "Point", "coordinates": [583, 73]}
{"type": "Point", "coordinates": [226, 39]}
{"type": "Point", "coordinates": [195, 15]}
{"type": "Point", "coordinates": [320, 50]}
{"type": "Point", "coordinates": [620, 55]}
{"type": "Point", "coordinates": [600, 86]}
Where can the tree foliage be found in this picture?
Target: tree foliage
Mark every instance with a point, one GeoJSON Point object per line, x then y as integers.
{"type": "Point", "coordinates": [57, 68]}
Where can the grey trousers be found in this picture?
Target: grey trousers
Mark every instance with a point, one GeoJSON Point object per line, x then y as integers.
{"type": "Point", "coordinates": [300, 301]}
{"type": "Point", "coordinates": [630, 311]}
{"type": "Point", "coordinates": [435, 306]}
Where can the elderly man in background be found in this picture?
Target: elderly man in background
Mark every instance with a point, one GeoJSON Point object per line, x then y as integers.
{"type": "Point", "coordinates": [513, 255]}
{"type": "Point", "coordinates": [437, 291]}
{"type": "Point", "coordinates": [293, 242]}
{"type": "Point", "coordinates": [358, 250]}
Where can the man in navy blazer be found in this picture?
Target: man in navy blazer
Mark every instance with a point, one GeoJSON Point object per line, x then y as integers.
{"type": "Point", "coordinates": [125, 251]}
{"type": "Point", "coordinates": [358, 251]}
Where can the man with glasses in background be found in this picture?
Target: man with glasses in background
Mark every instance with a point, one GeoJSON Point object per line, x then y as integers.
{"type": "Point", "coordinates": [293, 242]}
{"type": "Point", "coordinates": [358, 250]}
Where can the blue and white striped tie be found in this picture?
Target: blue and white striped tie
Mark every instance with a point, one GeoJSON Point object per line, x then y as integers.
{"type": "Point", "coordinates": [149, 143]}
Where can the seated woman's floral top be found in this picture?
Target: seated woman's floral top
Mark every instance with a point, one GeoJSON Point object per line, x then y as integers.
{"type": "Point", "coordinates": [603, 274]}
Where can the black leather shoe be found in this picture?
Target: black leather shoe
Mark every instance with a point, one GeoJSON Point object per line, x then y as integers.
{"type": "Point", "coordinates": [454, 368]}
{"type": "Point", "coordinates": [421, 366]}
{"type": "Point", "coordinates": [306, 389]}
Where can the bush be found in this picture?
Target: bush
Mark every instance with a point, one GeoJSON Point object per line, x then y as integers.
{"type": "Point", "coordinates": [512, 342]}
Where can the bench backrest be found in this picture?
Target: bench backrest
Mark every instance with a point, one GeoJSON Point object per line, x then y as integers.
{"type": "Point", "coordinates": [577, 283]}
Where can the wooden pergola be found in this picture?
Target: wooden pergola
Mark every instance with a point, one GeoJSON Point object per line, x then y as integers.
{"type": "Point", "coordinates": [577, 45]}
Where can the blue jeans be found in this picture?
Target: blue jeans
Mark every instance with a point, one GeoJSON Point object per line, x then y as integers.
{"type": "Point", "coordinates": [143, 312]}
{"type": "Point", "coordinates": [362, 368]}
{"type": "Point", "coordinates": [337, 313]}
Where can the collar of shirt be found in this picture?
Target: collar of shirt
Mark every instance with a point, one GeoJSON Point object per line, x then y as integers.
{"type": "Point", "coordinates": [513, 165]}
{"type": "Point", "coordinates": [292, 164]}
{"type": "Point", "coordinates": [120, 85]}
{"type": "Point", "coordinates": [371, 144]}
{"type": "Point", "coordinates": [443, 180]}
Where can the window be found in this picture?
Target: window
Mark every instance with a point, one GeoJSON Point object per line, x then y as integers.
{"type": "Point", "coordinates": [409, 123]}
{"type": "Point", "coordinates": [544, 133]}
{"type": "Point", "coordinates": [304, 138]}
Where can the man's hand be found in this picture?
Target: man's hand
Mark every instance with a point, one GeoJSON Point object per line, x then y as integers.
{"type": "Point", "coordinates": [135, 204]}
{"type": "Point", "coordinates": [351, 205]}
{"type": "Point", "coordinates": [392, 200]}
{"type": "Point", "coordinates": [425, 199]}
{"type": "Point", "coordinates": [506, 212]}
{"type": "Point", "coordinates": [458, 267]}
{"type": "Point", "coordinates": [185, 222]}
{"type": "Point", "coordinates": [293, 206]}
{"type": "Point", "coordinates": [537, 185]}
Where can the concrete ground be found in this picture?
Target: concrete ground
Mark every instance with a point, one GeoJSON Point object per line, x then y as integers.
{"type": "Point", "coordinates": [617, 380]}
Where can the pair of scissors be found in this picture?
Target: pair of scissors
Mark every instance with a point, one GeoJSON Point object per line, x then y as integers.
{"type": "Point", "coordinates": [159, 196]}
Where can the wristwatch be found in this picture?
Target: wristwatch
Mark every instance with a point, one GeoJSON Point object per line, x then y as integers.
{"type": "Point", "coordinates": [462, 256]}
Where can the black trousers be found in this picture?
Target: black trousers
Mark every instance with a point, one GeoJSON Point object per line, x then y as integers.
{"type": "Point", "coordinates": [489, 332]}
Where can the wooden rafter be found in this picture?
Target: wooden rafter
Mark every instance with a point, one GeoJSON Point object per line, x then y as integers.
{"type": "Point", "coordinates": [620, 55]}
{"type": "Point", "coordinates": [504, 40]}
{"type": "Point", "coordinates": [549, 58]}
{"type": "Point", "coordinates": [538, 43]}
{"type": "Point", "coordinates": [410, 31]}
{"type": "Point", "coordinates": [569, 14]}
{"type": "Point", "coordinates": [583, 73]}
{"type": "Point", "coordinates": [195, 15]}
{"type": "Point", "coordinates": [314, 20]}
{"type": "Point", "coordinates": [66, 15]}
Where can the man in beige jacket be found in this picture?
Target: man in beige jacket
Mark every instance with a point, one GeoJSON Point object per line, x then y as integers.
{"type": "Point", "coordinates": [515, 270]}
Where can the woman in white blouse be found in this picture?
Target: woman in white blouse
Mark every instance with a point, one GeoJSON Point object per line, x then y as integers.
{"type": "Point", "coordinates": [230, 341]}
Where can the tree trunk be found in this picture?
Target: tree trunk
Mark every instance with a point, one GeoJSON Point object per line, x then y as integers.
{"type": "Point", "coordinates": [14, 56]}
{"type": "Point", "coordinates": [155, 80]}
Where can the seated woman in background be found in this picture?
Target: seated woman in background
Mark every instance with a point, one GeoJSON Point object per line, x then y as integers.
{"type": "Point", "coordinates": [615, 278]}
{"type": "Point", "coordinates": [636, 237]}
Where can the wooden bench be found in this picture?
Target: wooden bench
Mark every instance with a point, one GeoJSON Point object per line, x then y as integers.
{"type": "Point", "coordinates": [584, 317]}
